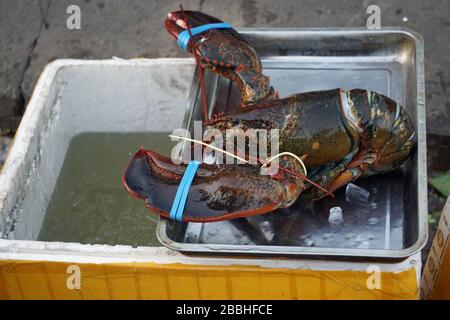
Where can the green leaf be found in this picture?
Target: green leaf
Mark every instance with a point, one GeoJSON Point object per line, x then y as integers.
{"type": "Point", "coordinates": [442, 183]}
{"type": "Point", "coordinates": [433, 217]}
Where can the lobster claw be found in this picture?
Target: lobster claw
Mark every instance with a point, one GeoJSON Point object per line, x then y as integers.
{"type": "Point", "coordinates": [216, 193]}
{"type": "Point", "coordinates": [223, 51]}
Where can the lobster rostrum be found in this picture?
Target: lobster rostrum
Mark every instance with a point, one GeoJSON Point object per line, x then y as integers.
{"type": "Point", "coordinates": [345, 135]}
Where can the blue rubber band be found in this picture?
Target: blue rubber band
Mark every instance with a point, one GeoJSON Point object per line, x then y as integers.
{"type": "Point", "coordinates": [176, 201]}
{"type": "Point", "coordinates": [176, 213]}
{"type": "Point", "coordinates": [179, 214]}
{"type": "Point", "coordinates": [184, 36]}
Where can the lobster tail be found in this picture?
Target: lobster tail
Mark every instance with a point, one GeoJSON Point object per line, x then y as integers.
{"type": "Point", "coordinates": [387, 132]}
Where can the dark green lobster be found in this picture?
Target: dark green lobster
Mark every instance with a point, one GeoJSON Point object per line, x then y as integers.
{"type": "Point", "coordinates": [343, 136]}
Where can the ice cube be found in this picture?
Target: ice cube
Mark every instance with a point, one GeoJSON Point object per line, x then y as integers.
{"type": "Point", "coordinates": [209, 157]}
{"type": "Point", "coordinates": [336, 217]}
{"type": "Point", "coordinates": [356, 195]}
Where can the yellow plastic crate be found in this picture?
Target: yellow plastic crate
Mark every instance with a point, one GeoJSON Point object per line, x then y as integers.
{"type": "Point", "coordinates": [171, 275]}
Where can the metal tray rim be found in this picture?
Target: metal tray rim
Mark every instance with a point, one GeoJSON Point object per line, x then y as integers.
{"type": "Point", "coordinates": [338, 30]}
{"type": "Point", "coordinates": [421, 167]}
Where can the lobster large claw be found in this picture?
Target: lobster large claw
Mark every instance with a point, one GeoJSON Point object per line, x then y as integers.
{"type": "Point", "coordinates": [223, 51]}
{"type": "Point", "coordinates": [217, 192]}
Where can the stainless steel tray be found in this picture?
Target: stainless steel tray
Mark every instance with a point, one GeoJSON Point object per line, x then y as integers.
{"type": "Point", "coordinates": [393, 224]}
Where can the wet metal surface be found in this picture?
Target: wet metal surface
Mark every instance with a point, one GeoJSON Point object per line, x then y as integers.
{"type": "Point", "coordinates": [392, 223]}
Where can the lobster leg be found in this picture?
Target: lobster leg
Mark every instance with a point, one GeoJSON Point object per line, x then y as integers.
{"type": "Point", "coordinates": [345, 177]}
{"type": "Point", "coordinates": [331, 180]}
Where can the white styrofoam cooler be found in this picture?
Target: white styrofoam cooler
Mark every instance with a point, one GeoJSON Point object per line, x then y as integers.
{"type": "Point", "coordinates": [78, 96]}
{"type": "Point", "coordinates": [74, 97]}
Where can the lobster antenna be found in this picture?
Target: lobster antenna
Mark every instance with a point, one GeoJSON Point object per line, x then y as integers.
{"type": "Point", "coordinates": [209, 146]}
{"type": "Point", "coordinates": [303, 177]}
{"type": "Point", "coordinates": [199, 70]}
{"type": "Point", "coordinates": [315, 184]}
{"type": "Point", "coordinates": [269, 160]}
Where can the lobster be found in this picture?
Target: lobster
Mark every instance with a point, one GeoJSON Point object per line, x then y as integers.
{"type": "Point", "coordinates": [342, 136]}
